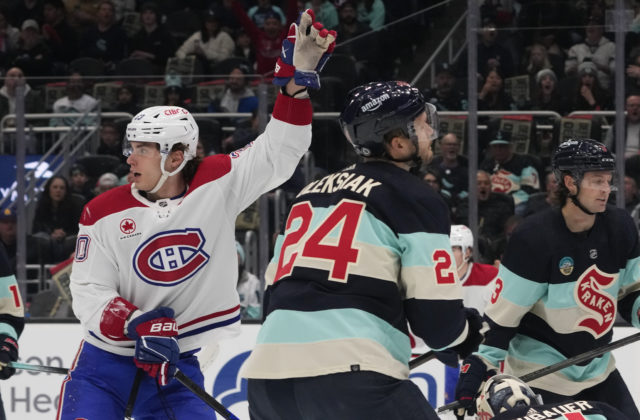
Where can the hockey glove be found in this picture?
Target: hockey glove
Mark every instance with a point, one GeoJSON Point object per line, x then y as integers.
{"type": "Point", "coordinates": [304, 53]}
{"type": "Point", "coordinates": [157, 350]}
{"type": "Point", "coordinates": [473, 373]}
{"type": "Point", "coordinates": [474, 336]}
{"type": "Point", "coordinates": [8, 353]}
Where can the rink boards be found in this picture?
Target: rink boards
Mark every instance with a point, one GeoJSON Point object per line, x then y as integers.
{"type": "Point", "coordinates": [34, 395]}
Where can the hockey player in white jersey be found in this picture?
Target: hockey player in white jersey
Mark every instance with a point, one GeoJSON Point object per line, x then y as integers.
{"type": "Point", "coordinates": [154, 277]}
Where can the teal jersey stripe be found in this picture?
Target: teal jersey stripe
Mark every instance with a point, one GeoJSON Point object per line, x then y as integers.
{"type": "Point", "coordinates": [8, 330]}
{"type": "Point", "coordinates": [635, 313]}
{"type": "Point", "coordinates": [593, 417]}
{"type": "Point", "coordinates": [561, 296]}
{"type": "Point", "coordinates": [372, 231]}
{"type": "Point", "coordinates": [420, 247]}
{"type": "Point", "coordinates": [5, 282]}
{"type": "Point", "coordinates": [286, 326]}
{"type": "Point", "coordinates": [519, 290]}
{"type": "Point", "coordinates": [630, 273]}
{"type": "Point", "coordinates": [493, 355]}
{"type": "Point", "coordinates": [416, 248]}
{"type": "Point", "coordinates": [276, 249]}
{"type": "Point", "coordinates": [533, 351]}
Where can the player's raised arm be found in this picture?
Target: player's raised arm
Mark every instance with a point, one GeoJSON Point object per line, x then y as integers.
{"type": "Point", "coordinates": [271, 159]}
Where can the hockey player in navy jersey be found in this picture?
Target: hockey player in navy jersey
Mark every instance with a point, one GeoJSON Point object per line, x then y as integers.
{"type": "Point", "coordinates": [11, 319]}
{"type": "Point", "coordinates": [565, 274]}
{"type": "Point", "coordinates": [364, 251]}
{"type": "Point", "coordinates": [505, 397]}
{"type": "Point", "coordinates": [154, 276]}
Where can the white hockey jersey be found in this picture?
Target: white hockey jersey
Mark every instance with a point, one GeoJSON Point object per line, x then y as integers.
{"type": "Point", "coordinates": [181, 252]}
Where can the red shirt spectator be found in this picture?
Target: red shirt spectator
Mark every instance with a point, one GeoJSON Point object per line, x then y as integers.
{"type": "Point", "coordinates": [268, 39]}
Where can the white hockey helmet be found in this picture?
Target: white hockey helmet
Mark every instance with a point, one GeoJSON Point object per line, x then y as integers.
{"type": "Point", "coordinates": [167, 126]}
{"type": "Point", "coordinates": [503, 392]}
{"type": "Point", "coordinates": [461, 236]}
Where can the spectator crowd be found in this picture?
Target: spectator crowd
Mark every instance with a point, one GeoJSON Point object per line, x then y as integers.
{"type": "Point", "coordinates": [560, 60]}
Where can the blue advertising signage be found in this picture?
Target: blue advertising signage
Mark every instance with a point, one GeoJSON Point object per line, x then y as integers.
{"type": "Point", "coordinates": [43, 171]}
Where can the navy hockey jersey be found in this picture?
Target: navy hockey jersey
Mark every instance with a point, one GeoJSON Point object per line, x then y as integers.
{"type": "Point", "coordinates": [556, 296]}
{"type": "Point", "coordinates": [364, 250]}
{"type": "Point", "coordinates": [11, 306]}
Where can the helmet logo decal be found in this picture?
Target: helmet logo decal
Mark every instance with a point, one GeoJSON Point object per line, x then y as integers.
{"type": "Point", "coordinates": [375, 103]}
{"type": "Point", "coordinates": [175, 111]}
{"type": "Point", "coordinates": [600, 305]}
{"type": "Point", "coordinates": [171, 257]}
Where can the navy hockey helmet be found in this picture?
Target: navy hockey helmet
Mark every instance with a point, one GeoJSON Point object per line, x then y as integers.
{"type": "Point", "coordinates": [503, 392]}
{"type": "Point", "coordinates": [374, 109]}
{"type": "Point", "coordinates": [578, 156]}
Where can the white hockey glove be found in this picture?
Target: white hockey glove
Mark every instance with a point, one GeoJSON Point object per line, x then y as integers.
{"type": "Point", "coordinates": [304, 52]}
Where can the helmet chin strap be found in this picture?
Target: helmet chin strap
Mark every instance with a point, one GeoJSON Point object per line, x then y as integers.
{"type": "Point", "coordinates": [165, 174]}
{"type": "Point", "coordinates": [574, 199]}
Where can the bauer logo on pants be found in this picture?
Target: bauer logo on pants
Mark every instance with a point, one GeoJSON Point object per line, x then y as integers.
{"type": "Point", "coordinates": [169, 258]}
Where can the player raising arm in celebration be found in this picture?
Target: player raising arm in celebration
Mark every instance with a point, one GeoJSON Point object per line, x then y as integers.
{"type": "Point", "coordinates": [365, 250]}
{"type": "Point", "coordinates": [564, 275]}
{"type": "Point", "coordinates": [154, 277]}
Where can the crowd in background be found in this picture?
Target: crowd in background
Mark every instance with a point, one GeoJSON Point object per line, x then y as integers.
{"type": "Point", "coordinates": [564, 49]}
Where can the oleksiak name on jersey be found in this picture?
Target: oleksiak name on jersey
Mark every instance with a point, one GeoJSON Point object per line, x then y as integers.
{"type": "Point", "coordinates": [359, 184]}
{"type": "Point", "coordinates": [363, 251]}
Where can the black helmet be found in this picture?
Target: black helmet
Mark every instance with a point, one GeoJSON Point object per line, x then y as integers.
{"type": "Point", "coordinates": [578, 156]}
{"type": "Point", "coordinates": [376, 108]}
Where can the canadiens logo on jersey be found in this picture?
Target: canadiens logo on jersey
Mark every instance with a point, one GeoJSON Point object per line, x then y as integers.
{"type": "Point", "coordinates": [590, 296]}
{"type": "Point", "coordinates": [169, 258]}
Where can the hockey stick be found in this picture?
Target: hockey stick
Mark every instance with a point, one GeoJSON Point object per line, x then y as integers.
{"type": "Point", "coordinates": [128, 411]}
{"type": "Point", "coordinates": [181, 377]}
{"type": "Point", "coordinates": [202, 394]}
{"type": "Point", "coordinates": [422, 359]}
{"type": "Point", "coordinates": [563, 364]}
{"type": "Point", "coordinates": [38, 368]}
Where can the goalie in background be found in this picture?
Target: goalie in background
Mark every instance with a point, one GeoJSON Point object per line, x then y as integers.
{"type": "Point", "coordinates": [11, 319]}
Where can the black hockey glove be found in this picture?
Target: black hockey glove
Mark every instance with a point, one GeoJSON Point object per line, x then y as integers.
{"type": "Point", "coordinates": [8, 353]}
{"type": "Point", "coordinates": [474, 337]}
{"type": "Point", "coordinates": [473, 373]}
